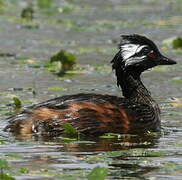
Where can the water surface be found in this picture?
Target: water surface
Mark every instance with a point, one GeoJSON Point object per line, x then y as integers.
{"type": "Point", "coordinates": [91, 30]}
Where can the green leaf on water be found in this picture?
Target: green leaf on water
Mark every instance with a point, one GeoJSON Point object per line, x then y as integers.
{"type": "Point", "coordinates": [116, 135]}
{"type": "Point", "coordinates": [27, 12]}
{"type": "Point", "coordinates": [17, 103]}
{"type": "Point", "coordinates": [70, 130]}
{"type": "Point", "coordinates": [98, 173]}
{"type": "Point", "coordinates": [110, 135]}
{"type": "Point", "coordinates": [67, 139]}
{"type": "Point", "coordinates": [4, 164]}
{"type": "Point", "coordinates": [23, 170]}
{"type": "Point", "coordinates": [2, 141]}
{"type": "Point", "coordinates": [4, 176]}
{"type": "Point", "coordinates": [13, 155]}
{"type": "Point", "coordinates": [65, 60]}
{"type": "Point", "coordinates": [177, 43]}
{"type": "Point", "coordinates": [44, 4]}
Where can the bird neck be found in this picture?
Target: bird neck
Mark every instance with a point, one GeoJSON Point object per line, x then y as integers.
{"type": "Point", "coordinates": [133, 88]}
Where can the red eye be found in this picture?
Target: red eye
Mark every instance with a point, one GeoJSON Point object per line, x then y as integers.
{"type": "Point", "coordinates": [151, 54]}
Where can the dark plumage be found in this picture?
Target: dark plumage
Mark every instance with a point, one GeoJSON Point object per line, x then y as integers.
{"type": "Point", "coordinates": [95, 114]}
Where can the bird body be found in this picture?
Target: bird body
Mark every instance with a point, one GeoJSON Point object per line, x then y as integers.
{"type": "Point", "coordinates": [96, 114]}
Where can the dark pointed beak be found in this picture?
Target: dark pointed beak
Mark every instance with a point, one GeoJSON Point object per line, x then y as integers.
{"type": "Point", "coordinates": [162, 60]}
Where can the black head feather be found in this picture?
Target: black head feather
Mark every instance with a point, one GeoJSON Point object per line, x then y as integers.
{"type": "Point", "coordinates": [136, 54]}
{"type": "Point", "coordinates": [137, 39]}
{"type": "Point", "coordinates": [134, 39]}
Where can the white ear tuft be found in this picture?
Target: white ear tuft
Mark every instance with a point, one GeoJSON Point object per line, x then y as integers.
{"type": "Point", "coordinates": [128, 50]}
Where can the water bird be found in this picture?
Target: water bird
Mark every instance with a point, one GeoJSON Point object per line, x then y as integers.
{"type": "Point", "coordinates": [96, 114]}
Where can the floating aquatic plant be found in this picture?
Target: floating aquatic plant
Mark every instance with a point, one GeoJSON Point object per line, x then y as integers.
{"type": "Point", "coordinates": [4, 165]}
{"type": "Point", "coordinates": [17, 103]}
{"type": "Point", "coordinates": [70, 131]}
{"type": "Point", "coordinates": [98, 173]}
{"type": "Point", "coordinates": [65, 61]}
{"type": "Point", "coordinates": [177, 43]}
{"type": "Point", "coordinates": [28, 12]}
{"type": "Point", "coordinates": [43, 4]}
